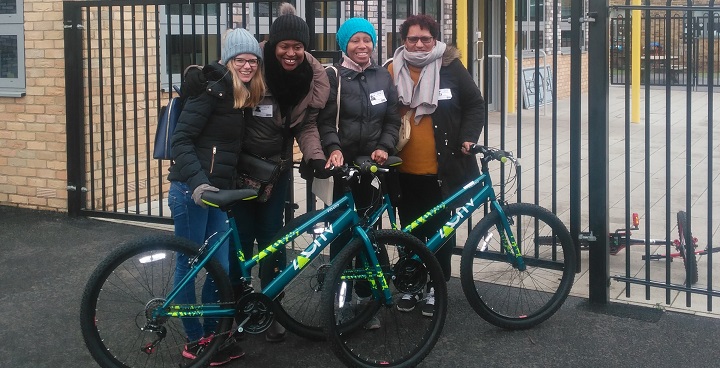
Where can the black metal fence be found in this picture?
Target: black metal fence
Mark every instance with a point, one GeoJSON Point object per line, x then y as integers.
{"type": "Point", "coordinates": [123, 58]}
{"type": "Point", "coordinates": [676, 47]}
{"type": "Point", "coordinates": [664, 155]}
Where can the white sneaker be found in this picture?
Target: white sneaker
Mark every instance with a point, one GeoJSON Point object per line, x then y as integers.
{"type": "Point", "coordinates": [408, 302]}
{"type": "Point", "coordinates": [429, 308]}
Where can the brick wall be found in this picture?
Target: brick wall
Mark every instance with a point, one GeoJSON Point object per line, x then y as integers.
{"type": "Point", "coordinates": [32, 128]}
{"type": "Point", "coordinates": [33, 151]}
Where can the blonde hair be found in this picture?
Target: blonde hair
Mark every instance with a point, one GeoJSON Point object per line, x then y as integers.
{"type": "Point", "coordinates": [242, 96]}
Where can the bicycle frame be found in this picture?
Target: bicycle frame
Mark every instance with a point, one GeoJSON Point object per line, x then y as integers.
{"type": "Point", "coordinates": [481, 191]}
{"type": "Point", "coordinates": [484, 194]}
{"type": "Point", "coordinates": [346, 219]}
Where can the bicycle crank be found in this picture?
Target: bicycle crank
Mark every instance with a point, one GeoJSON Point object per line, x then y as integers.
{"type": "Point", "coordinates": [254, 313]}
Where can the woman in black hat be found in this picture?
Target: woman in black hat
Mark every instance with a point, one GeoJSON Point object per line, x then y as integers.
{"type": "Point", "coordinates": [297, 89]}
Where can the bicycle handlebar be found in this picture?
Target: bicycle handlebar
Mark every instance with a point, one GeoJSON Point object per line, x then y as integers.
{"type": "Point", "coordinates": [490, 153]}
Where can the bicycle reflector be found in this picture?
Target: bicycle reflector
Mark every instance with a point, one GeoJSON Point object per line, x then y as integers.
{"type": "Point", "coordinates": [635, 220]}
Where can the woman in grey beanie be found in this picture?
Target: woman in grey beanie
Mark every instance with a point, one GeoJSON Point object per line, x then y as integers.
{"type": "Point", "coordinates": [205, 148]}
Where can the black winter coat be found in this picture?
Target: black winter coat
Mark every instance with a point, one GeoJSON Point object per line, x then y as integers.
{"type": "Point", "coordinates": [364, 126]}
{"type": "Point", "coordinates": [206, 141]}
{"type": "Point", "coordinates": [457, 120]}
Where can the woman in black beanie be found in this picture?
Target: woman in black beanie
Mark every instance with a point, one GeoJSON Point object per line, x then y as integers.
{"type": "Point", "coordinates": [297, 89]}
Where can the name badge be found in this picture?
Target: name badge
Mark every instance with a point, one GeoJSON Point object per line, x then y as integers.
{"type": "Point", "coordinates": [445, 94]}
{"type": "Point", "coordinates": [377, 97]}
{"type": "Point", "coordinates": [263, 111]}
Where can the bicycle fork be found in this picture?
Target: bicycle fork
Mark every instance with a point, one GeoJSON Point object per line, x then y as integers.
{"type": "Point", "coordinates": [508, 241]}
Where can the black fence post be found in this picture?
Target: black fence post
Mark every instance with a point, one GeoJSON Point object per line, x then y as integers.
{"type": "Point", "coordinates": [74, 123]}
{"type": "Point", "coordinates": [598, 133]}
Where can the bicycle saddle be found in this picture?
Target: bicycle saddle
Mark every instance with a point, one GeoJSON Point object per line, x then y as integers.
{"type": "Point", "coordinates": [227, 197]}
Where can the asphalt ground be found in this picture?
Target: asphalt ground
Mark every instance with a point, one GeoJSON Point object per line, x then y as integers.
{"type": "Point", "coordinates": [47, 257]}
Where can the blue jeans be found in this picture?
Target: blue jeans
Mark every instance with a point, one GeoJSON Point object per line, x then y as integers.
{"type": "Point", "coordinates": [196, 224]}
{"type": "Point", "coordinates": [261, 222]}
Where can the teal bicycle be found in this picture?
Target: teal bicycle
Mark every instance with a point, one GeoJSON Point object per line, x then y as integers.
{"type": "Point", "coordinates": [129, 316]}
{"type": "Point", "coordinates": [517, 269]}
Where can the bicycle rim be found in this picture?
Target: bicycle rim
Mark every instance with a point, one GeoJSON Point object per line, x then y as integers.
{"type": "Point", "coordinates": [502, 294]}
{"type": "Point", "coordinates": [124, 290]}
{"type": "Point", "coordinates": [687, 249]}
{"type": "Point", "coordinates": [403, 339]}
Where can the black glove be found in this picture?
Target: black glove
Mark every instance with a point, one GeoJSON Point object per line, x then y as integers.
{"type": "Point", "coordinates": [319, 170]}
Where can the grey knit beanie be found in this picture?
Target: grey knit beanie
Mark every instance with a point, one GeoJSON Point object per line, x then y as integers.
{"type": "Point", "coordinates": [239, 41]}
{"type": "Point", "coordinates": [289, 26]}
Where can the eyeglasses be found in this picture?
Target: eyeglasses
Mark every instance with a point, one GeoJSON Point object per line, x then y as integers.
{"type": "Point", "coordinates": [425, 39]}
{"type": "Point", "coordinates": [241, 62]}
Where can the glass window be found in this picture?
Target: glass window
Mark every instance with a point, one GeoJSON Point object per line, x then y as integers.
{"type": "Point", "coordinates": [326, 10]}
{"type": "Point", "coordinates": [185, 50]}
{"type": "Point", "coordinates": [12, 49]}
{"type": "Point", "coordinates": [199, 9]}
{"type": "Point", "coordinates": [401, 7]}
{"type": "Point", "coordinates": [8, 56]}
{"type": "Point", "coordinates": [184, 41]}
{"type": "Point", "coordinates": [536, 9]}
{"type": "Point", "coordinates": [263, 8]}
{"type": "Point", "coordinates": [8, 7]}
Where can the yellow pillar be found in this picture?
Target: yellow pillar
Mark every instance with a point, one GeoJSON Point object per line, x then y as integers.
{"type": "Point", "coordinates": [462, 30]}
{"type": "Point", "coordinates": [635, 49]}
{"type": "Point", "coordinates": [510, 54]}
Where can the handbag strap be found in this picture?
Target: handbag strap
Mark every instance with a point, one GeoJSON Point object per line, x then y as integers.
{"type": "Point", "coordinates": [286, 134]}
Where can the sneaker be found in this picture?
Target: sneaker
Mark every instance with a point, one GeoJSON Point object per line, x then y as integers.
{"type": "Point", "coordinates": [231, 347]}
{"type": "Point", "coordinates": [275, 333]}
{"type": "Point", "coordinates": [429, 307]}
{"type": "Point", "coordinates": [225, 354]}
{"type": "Point", "coordinates": [345, 314]}
{"type": "Point", "coordinates": [374, 322]}
{"type": "Point", "coordinates": [408, 302]}
{"type": "Point", "coordinates": [193, 349]}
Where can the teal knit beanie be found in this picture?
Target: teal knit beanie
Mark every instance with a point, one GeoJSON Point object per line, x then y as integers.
{"type": "Point", "coordinates": [352, 26]}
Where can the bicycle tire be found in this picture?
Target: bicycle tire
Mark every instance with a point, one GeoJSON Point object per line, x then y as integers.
{"type": "Point", "coordinates": [500, 293]}
{"type": "Point", "coordinates": [687, 252]}
{"type": "Point", "coordinates": [298, 310]}
{"type": "Point", "coordinates": [121, 292]}
{"type": "Point", "coordinates": [403, 339]}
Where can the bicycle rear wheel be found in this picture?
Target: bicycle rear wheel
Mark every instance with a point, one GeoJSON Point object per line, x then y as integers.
{"type": "Point", "coordinates": [403, 339]}
{"type": "Point", "coordinates": [128, 286]}
{"type": "Point", "coordinates": [687, 248]}
{"type": "Point", "coordinates": [499, 292]}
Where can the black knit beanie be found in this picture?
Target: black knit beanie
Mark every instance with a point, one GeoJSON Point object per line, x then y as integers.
{"type": "Point", "coordinates": [289, 26]}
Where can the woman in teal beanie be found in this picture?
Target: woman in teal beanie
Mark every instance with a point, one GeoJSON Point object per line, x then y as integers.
{"type": "Point", "coordinates": [367, 124]}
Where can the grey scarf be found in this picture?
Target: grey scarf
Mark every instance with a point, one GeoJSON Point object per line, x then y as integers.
{"type": "Point", "coordinates": [424, 97]}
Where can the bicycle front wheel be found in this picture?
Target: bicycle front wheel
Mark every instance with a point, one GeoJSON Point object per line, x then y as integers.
{"type": "Point", "coordinates": [354, 290]}
{"type": "Point", "coordinates": [687, 248]}
{"type": "Point", "coordinates": [118, 309]}
{"type": "Point", "coordinates": [298, 310]}
{"type": "Point", "coordinates": [501, 293]}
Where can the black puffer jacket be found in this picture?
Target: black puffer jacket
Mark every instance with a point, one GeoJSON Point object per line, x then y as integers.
{"type": "Point", "coordinates": [207, 139]}
{"type": "Point", "coordinates": [364, 127]}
